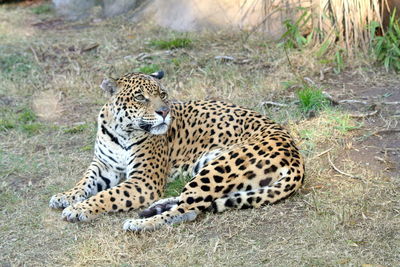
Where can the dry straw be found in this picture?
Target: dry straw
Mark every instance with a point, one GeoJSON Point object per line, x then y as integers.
{"type": "Point", "coordinates": [345, 22]}
{"type": "Point", "coordinates": [340, 22]}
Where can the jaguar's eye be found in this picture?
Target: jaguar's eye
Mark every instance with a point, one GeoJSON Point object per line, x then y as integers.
{"type": "Point", "coordinates": [163, 95]}
{"type": "Point", "coordinates": [140, 98]}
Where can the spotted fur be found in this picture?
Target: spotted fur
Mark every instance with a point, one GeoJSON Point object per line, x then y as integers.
{"type": "Point", "coordinates": [239, 158]}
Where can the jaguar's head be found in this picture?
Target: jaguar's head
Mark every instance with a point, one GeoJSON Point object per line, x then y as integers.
{"type": "Point", "coordinates": [138, 103]}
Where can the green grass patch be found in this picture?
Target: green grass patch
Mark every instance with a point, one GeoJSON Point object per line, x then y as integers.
{"type": "Point", "coordinates": [9, 200]}
{"type": "Point", "coordinates": [6, 124]}
{"type": "Point", "coordinates": [87, 148]}
{"type": "Point", "coordinates": [342, 121]}
{"type": "Point", "coordinates": [289, 84]}
{"type": "Point", "coordinates": [176, 61]}
{"type": "Point", "coordinates": [27, 116]}
{"type": "Point", "coordinates": [32, 128]}
{"type": "Point", "coordinates": [148, 69]}
{"type": "Point", "coordinates": [15, 163]}
{"type": "Point", "coordinates": [27, 122]}
{"type": "Point", "coordinates": [311, 99]}
{"type": "Point", "coordinates": [76, 129]}
{"type": "Point", "coordinates": [42, 9]}
{"type": "Point", "coordinates": [24, 120]}
{"type": "Point", "coordinates": [331, 123]}
{"type": "Point", "coordinates": [15, 63]}
{"type": "Point", "coordinates": [174, 188]}
{"type": "Point", "coordinates": [171, 44]}
{"type": "Point", "coordinates": [309, 136]}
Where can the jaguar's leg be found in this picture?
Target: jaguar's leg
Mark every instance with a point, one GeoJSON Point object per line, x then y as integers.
{"type": "Point", "coordinates": [97, 178]}
{"type": "Point", "coordinates": [168, 217]}
{"type": "Point", "coordinates": [255, 198]}
{"type": "Point", "coordinates": [128, 195]}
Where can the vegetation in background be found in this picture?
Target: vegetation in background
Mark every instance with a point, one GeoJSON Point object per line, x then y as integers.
{"type": "Point", "coordinates": [387, 47]}
{"type": "Point", "coordinates": [171, 44]}
{"type": "Point", "coordinates": [294, 36]}
{"type": "Point", "coordinates": [343, 27]}
{"type": "Point", "coordinates": [339, 28]}
{"type": "Point", "coordinates": [339, 61]}
{"type": "Point", "coordinates": [345, 23]}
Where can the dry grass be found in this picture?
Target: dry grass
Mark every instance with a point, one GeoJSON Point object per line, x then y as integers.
{"type": "Point", "coordinates": [334, 220]}
{"type": "Point", "coordinates": [346, 22]}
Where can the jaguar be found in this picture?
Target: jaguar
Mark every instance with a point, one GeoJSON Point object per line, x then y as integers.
{"type": "Point", "coordinates": [237, 158]}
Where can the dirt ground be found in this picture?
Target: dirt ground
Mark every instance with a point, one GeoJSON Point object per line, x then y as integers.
{"type": "Point", "coordinates": [378, 146]}
{"type": "Point", "coordinates": [346, 214]}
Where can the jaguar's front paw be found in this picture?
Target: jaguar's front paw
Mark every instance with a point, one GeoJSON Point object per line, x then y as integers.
{"type": "Point", "coordinates": [63, 200]}
{"type": "Point", "coordinates": [78, 212]}
{"type": "Point", "coordinates": [136, 225]}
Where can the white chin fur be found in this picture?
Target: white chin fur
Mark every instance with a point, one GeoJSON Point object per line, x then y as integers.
{"type": "Point", "coordinates": [160, 129]}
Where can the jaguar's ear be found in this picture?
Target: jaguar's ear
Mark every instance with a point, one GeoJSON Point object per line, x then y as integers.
{"type": "Point", "coordinates": [109, 85]}
{"type": "Point", "coordinates": [158, 75]}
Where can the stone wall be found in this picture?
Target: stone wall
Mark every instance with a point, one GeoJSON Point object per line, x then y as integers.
{"type": "Point", "coordinates": [79, 9]}
{"type": "Point", "coordinates": [194, 15]}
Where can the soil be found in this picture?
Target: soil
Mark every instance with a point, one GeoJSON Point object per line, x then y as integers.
{"type": "Point", "coordinates": [377, 146]}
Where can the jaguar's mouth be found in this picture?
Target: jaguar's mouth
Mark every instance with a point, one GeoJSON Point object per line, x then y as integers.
{"type": "Point", "coordinates": [161, 128]}
{"type": "Point", "coordinates": [158, 126]}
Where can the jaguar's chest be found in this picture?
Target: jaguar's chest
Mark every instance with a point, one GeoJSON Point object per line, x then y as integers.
{"type": "Point", "coordinates": [112, 154]}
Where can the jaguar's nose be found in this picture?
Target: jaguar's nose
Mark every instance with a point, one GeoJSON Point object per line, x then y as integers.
{"type": "Point", "coordinates": [163, 112]}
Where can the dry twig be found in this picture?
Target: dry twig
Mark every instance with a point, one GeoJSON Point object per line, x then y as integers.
{"type": "Point", "coordinates": [89, 47]}
{"type": "Point", "coordinates": [271, 103]}
{"type": "Point", "coordinates": [216, 246]}
{"type": "Point", "coordinates": [386, 131]}
{"type": "Point", "coordinates": [322, 73]}
{"type": "Point", "coordinates": [353, 101]}
{"type": "Point", "coordinates": [34, 54]}
{"type": "Point", "coordinates": [330, 98]}
{"type": "Point", "coordinates": [392, 103]}
{"type": "Point", "coordinates": [380, 159]}
{"type": "Point", "coordinates": [225, 58]}
{"type": "Point", "coordinates": [339, 171]}
{"type": "Point", "coordinates": [369, 114]}
{"type": "Point", "coordinates": [322, 153]}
